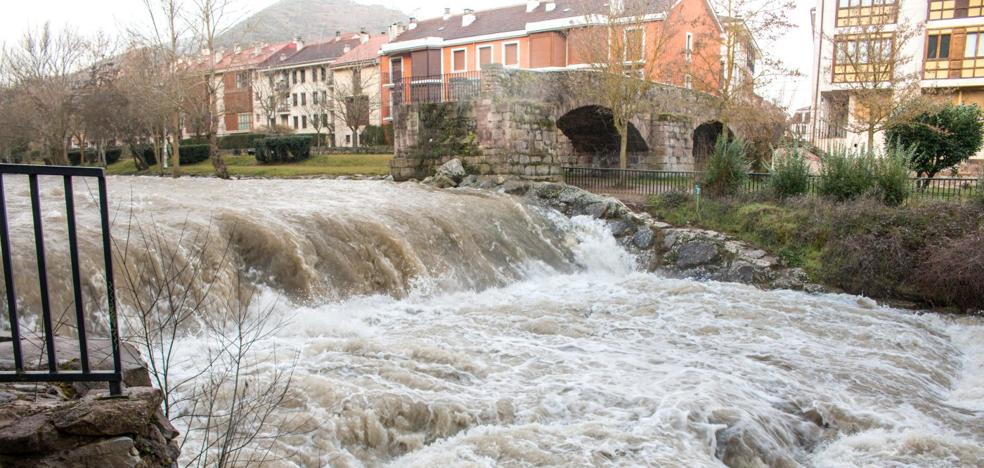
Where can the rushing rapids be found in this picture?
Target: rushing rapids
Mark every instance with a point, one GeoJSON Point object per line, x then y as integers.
{"type": "Point", "coordinates": [437, 328]}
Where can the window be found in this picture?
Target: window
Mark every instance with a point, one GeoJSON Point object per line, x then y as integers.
{"type": "Point", "coordinates": [510, 54]}
{"type": "Point", "coordinates": [348, 139]}
{"type": "Point", "coordinates": [864, 58]}
{"type": "Point", "coordinates": [867, 12]}
{"type": "Point", "coordinates": [242, 80]}
{"type": "Point", "coordinates": [297, 125]}
{"type": "Point", "coordinates": [688, 81]}
{"type": "Point", "coordinates": [396, 70]}
{"type": "Point", "coordinates": [324, 119]}
{"type": "Point", "coordinates": [314, 98]}
{"type": "Point", "coordinates": [294, 96]}
{"type": "Point", "coordinates": [324, 74]}
{"type": "Point", "coordinates": [271, 81]}
{"type": "Point", "coordinates": [459, 60]}
{"type": "Point", "coordinates": [304, 122]}
{"type": "Point", "coordinates": [689, 51]}
{"type": "Point", "coordinates": [245, 122]}
{"type": "Point", "coordinates": [294, 74]}
{"type": "Point", "coordinates": [974, 47]}
{"type": "Point", "coordinates": [324, 97]}
{"type": "Point", "coordinates": [303, 76]}
{"type": "Point", "coordinates": [484, 56]}
{"type": "Point", "coordinates": [949, 9]}
{"type": "Point", "coordinates": [938, 47]}
{"type": "Point", "coordinates": [303, 99]}
{"type": "Point", "coordinates": [635, 45]}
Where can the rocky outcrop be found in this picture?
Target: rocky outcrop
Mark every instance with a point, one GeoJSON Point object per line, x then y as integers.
{"type": "Point", "coordinates": [63, 425]}
{"type": "Point", "coordinates": [676, 252]}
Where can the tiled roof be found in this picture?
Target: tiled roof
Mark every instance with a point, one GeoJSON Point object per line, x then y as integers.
{"type": "Point", "coordinates": [320, 52]}
{"type": "Point", "coordinates": [367, 51]}
{"type": "Point", "coordinates": [509, 18]}
{"type": "Point", "coordinates": [253, 56]}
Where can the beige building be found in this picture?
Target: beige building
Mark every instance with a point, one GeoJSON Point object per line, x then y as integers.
{"type": "Point", "coordinates": [357, 91]}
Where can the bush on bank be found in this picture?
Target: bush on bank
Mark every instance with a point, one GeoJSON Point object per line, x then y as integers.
{"type": "Point", "coordinates": [927, 252]}
{"type": "Point", "coordinates": [286, 149]}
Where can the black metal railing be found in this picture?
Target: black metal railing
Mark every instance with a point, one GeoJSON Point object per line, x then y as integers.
{"type": "Point", "coordinates": [645, 182]}
{"type": "Point", "coordinates": [449, 87]}
{"type": "Point", "coordinates": [53, 373]}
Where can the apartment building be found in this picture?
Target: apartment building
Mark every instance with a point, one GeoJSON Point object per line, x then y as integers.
{"type": "Point", "coordinates": [358, 90]}
{"type": "Point", "coordinates": [445, 55]}
{"type": "Point", "coordinates": [946, 54]}
{"type": "Point", "coordinates": [236, 73]}
{"type": "Point", "coordinates": [294, 89]}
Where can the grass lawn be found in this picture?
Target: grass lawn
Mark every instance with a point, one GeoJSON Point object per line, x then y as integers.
{"type": "Point", "coordinates": [246, 166]}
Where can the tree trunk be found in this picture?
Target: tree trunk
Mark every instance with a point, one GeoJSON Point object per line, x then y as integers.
{"type": "Point", "coordinates": [623, 149]}
{"type": "Point", "coordinates": [176, 147]}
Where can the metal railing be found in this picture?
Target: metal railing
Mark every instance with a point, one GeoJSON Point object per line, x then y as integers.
{"type": "Point", "coordinates": [53, 373]}
{"type": "Point", "coordinates": [644, 182]}
{"type": "Point", "coordinates": [449, 87]}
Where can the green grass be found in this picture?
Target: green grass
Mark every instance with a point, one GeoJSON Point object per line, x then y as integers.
{"type": "Point", "coordinates": [246, 166]}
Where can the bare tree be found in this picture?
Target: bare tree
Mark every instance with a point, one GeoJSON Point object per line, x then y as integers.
{"type": "Point", "coordinates": [210, 20]}
{"type": "Point", "coordinates": [272, 97]}
{"type": "Point", "coordinates": [322, 116]}
{"type": "Point", "coordinates": [624, 44]}
{"type": "Point", "coordinates": [43, 67]}
{"type": "Point", "coordinates": [350, 102]}
{"type": "Point", "coordinates": [873, 67]}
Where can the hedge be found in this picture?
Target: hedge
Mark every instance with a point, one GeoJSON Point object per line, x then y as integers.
{"type": "Point", "coordinates": [283, 149]}
{"type": "Point", "coordinates": [92, 156]}
{"type": "Point", "coordinates": [236, 141]}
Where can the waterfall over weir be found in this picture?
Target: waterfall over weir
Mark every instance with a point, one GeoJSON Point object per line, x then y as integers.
{"type": "Point", "coordinates": [464, 328]}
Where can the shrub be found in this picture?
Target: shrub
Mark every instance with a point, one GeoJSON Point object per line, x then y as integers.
{"type": "Point", "coordinates": [113, 155]}
{"type": "Point", "coordinates": [892, 180]}
{"type": "Point", "coordinates": [672, 200]}
{"type": "Point", "coordinates": [283, 149]}
{"type": "Point", "coordinates": [147, 152]}
{"type": "Point", "coordinates": [194, 154]}
{"type": "Point", "coordinates": [846, 175]}
{"type": "Point", "coordinates": [373, 136]}
{"type": "Point", "coordinates": [727, 170]}
{"type": "Point", "coordinates": [952, 273]}
{"type": "Point", "coordinates": [195, 140]}
{"type": "Point", "coordinates": [241, 141]}
{"type": "Point", "coordinates": [940, 139]}
{"type": "Point", "coordinates": [790, 175]}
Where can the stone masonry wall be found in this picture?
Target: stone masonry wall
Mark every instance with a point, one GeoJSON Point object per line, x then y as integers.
{"type": "Point", "coordinates": [511, 128]}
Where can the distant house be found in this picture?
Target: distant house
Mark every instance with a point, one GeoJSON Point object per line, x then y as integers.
{"type": "Point", "coordinates": [358, 88]}
{"type": "Point", "coordinates": [801, 123]}
{"type": "Point", "coordinates": [295, 88]}
{"type": "Point", "coordinates": [236, 74]}
{"type": "Point", "coordinates": [452, 49]}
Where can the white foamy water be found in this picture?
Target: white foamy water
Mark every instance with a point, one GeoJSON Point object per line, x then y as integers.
{"type": "Point", "coordinates": [547, 348]}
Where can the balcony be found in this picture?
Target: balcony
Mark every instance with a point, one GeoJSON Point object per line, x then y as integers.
{"type": "Point", "coordinates": [449, 87]}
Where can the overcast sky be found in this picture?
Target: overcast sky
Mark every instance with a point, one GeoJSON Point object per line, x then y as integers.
{"type": "Point", "coordinates": [116, 15]}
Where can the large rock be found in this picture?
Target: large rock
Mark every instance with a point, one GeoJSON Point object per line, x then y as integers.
{"type": "Point", "coordinates": [453, 170]}
{"type": "Point", "coordinates": [696, 253]}
{"type": "Point", "coordinates": [110, 417]}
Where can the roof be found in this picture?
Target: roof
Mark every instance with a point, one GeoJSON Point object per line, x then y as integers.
{"type": "Point", "coordinates": [364, 52]}
{"type": "Point", "coordinates": [313, 53]}
{"type": "Point", "coordinates": [510, 18]}
{"type": "Point", "coordinates": [250, 57]}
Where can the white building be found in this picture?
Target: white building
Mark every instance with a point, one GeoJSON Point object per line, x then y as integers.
{"type": "Point", "coordinates": [946, 51]}
{"type": "Point", "coordinates": [295, 90]}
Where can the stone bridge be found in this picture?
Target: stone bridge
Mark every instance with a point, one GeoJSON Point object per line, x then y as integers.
{"type": "Point", "coordinates": [532, 123]}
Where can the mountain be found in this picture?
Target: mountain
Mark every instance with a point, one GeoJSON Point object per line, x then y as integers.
{"type": "Point", "coordinates": [313, 20]}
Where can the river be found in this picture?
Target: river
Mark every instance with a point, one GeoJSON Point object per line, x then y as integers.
{"type": "Point", "coordinates": [461, 328]}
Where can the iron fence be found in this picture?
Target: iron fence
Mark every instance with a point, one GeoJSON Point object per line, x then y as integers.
{"type": "Point", "coordinates": [647, 183]}
{"type": "Point", "coordinates": [53, 373]}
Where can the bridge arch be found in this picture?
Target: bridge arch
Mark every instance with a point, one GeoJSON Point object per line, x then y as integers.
{"type": "Point", "coordinates": [705, 136]}
{"type": "Point", "coordinates": [594, 138]}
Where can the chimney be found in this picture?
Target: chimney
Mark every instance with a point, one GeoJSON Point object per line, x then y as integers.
{"type": "Point", "coordinates": [551, 6]}
{"type": "Point", "coordinates": [338, 36]}
{"type": "Point", "coordinates": [363, 36]}
{"type": "Point", "coordinates": [299, 43]}
{"type": "Point", "coordinates": [238, 48]}
{"type": "Point", "coordinates": [395, 30]}
{"type": "Point", "coordinates": [413, 24]}
{"type": "Point", "coordinates": [447, 14]}
{"type": "Point", "coordinates": [531, 5]}
{"type": "Point", "coordinates": [348, 49]}
{"type": "Point", "coordinates": [468, 18]}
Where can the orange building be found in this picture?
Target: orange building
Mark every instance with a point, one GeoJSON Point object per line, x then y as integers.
{"type": "Point", "coordinates": [445, 55]}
